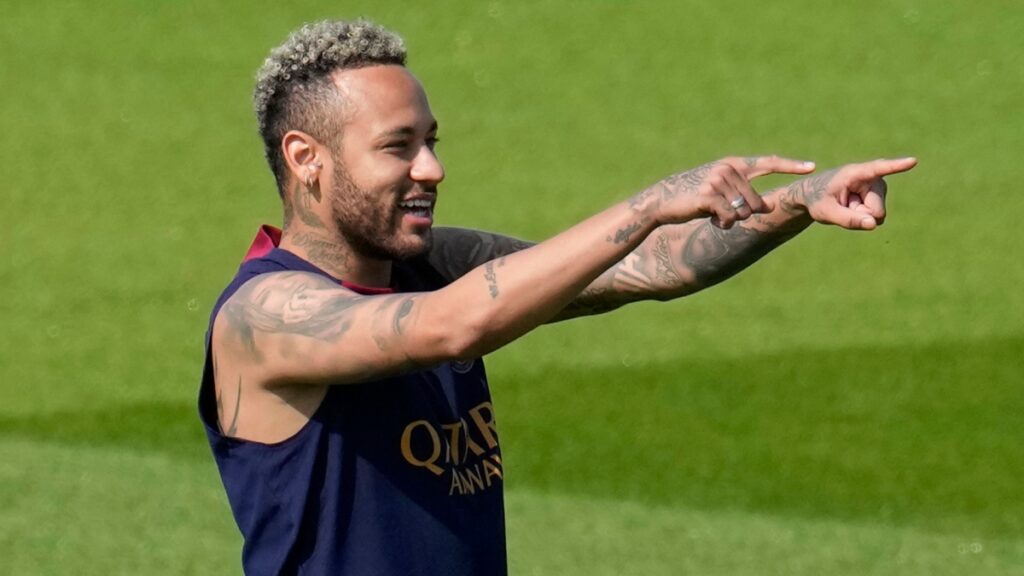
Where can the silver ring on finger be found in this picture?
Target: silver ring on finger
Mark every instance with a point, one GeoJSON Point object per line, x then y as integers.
{"type": "Point", "coordinates": [738, 203]}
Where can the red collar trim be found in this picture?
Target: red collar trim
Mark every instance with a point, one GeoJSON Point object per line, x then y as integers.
{"type": "Point", "coordinates": [269, 237]}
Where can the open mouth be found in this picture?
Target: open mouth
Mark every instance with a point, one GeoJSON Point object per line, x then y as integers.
{"type": "Point", "coordinates": [418, 208]}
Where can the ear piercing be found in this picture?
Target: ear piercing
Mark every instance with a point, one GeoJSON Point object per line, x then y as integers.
{"type": "Point", "coordinates": [314, 167]}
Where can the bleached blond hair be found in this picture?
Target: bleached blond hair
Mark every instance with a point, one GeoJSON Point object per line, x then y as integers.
{"type": "Point", "coordinates": [294, 90]}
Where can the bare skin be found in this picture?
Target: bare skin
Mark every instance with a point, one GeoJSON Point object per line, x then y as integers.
{"type": "Point", "coordinates": [284, 337]}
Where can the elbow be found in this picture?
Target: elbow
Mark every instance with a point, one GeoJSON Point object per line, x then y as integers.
{"type": "Point", "coordinates": [461, 335]}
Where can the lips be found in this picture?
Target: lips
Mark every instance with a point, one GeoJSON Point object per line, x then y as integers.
{"type": "Point", "coordinates": [420, 207]}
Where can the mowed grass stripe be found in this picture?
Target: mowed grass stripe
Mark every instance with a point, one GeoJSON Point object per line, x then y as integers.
{"type": "Point", "coordinates": [923, 437]}
{"type": "Point", "coordinates": [562, 534]}
{"type": "Point", "coordinates": [105, 511]}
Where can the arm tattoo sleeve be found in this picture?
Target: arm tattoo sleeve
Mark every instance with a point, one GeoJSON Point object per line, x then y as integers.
{"type": "Point", "coordinates": [308, 305]}
{"type": "Point", "coordinates": [713, 254]}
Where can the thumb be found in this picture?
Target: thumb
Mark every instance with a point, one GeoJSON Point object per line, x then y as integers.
{"type": "Point", "coordinates": [839, 215]}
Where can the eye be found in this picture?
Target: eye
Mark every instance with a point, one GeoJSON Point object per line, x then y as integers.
{"type": "Point", "coordinates": [432, 141]}
{"type": "Point", "coordinates": [396, 145]}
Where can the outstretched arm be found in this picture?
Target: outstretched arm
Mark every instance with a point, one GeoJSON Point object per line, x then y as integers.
{"type": "Point", "coordinates": [680, 259]}
{"type": "Point", "coordinates": [292, 328]}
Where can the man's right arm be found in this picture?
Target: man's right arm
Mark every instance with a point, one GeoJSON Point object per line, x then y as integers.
{"type": "Point", "coordinates": [299, 328]}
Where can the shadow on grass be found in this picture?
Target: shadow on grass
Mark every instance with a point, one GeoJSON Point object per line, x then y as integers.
{"type": "Point", "coordinates": [927, 436]}
{"type": "Point", "coordinates": [930, 436]}
{"type": "Point", "coordinates": [172, 429]}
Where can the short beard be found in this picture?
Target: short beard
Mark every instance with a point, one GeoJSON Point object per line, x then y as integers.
{"type": "Point", "coordinates": [365, 223]}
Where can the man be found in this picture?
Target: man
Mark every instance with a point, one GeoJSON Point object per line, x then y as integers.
{"type": "Point", "coordinates": [343, 396]}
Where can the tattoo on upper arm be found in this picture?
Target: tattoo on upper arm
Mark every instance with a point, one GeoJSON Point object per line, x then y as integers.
{"type": "Point", "coordinates": [390, 318]}
{"type": "Point", "coordinates": [457, 251]}
{"type": "Point", "coordinates": [308, 305]}
{"type": "Point", "coordinates": [403, 311]}
{"type": "Point", "coordinates": [290, 303]}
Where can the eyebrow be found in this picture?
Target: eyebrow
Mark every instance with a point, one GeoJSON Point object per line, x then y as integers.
{"type": "Point", "coordinates": [406, 131]}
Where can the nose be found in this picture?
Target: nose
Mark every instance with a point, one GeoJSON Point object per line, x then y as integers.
{"type": "Point", "coordinates": [426, 167]}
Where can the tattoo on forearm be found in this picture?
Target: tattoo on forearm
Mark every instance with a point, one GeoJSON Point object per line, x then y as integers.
{"type": "Point", "coordinates": [714, 254]}
{"type": "Point", "coordinates": [593, 300]}
{"type": "Point", "coordinates": [665, 271]}
{"type": "Point", "coordinates": [622, 236]}
{"type": "Point", "coordinates": [492, 279]}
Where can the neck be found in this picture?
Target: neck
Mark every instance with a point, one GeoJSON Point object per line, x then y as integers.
{"type": "Point", "coordinates": [334, 256]}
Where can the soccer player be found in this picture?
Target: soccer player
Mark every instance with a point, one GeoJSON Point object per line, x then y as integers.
{"type": "Point", "coordinates": [343, 393]}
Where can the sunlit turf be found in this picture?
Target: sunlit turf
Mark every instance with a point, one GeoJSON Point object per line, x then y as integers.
{"type": "Point", "coordinates": [849, 406]}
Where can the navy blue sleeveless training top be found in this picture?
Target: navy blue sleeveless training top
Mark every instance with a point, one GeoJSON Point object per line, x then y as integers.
{"type": "Point", "coordinates": [397, 476]}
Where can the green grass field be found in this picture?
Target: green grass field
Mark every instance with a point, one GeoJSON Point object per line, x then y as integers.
{"type": "Point", "coordinates": [850, 405]}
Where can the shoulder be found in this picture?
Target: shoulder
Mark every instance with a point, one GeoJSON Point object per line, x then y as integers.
{"type": "Point", "coordinates": [458, 250]}
{"type": "Point", "coordinates": [283, 302]}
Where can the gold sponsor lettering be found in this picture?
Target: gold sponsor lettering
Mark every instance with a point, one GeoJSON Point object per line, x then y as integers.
{"type": "Point", "coordinates": [454, 432]}
{"type": "Point", "coordinates": [430, 462]}
{"type": "Point", "coordinates": [456, 485]}
{"type": "Point", "coordinates": [491, 470]}
{"type": "Point", "coordinates": [474, 477]}
{"type": "Point", "coordinates": [473, 446]}
{"type": "Point", "coordinates": [486, 425]}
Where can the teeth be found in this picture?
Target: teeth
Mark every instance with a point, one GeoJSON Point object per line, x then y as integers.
{"type": "Point", "coordinates": [415, 204]}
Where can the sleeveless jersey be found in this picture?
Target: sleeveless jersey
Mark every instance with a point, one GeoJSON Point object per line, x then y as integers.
{"type": "Point", "coordinates": [402, 475]}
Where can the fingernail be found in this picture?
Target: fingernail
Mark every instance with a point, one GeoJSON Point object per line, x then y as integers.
{"type": "Point", "coordinates": [807, 164]}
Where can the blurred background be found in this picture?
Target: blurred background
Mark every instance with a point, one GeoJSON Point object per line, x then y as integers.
{"type": "Point", "coordinates": [850, 405]}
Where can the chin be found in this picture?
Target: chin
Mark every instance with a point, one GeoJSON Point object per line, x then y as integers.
{"type": "Point", "coordinates": [402, 247]}
{"type": "Point", "coordinates": [418, 245]}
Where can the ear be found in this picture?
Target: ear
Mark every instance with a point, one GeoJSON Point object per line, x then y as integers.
{"type": "Point", "coordinates": [303, 155]}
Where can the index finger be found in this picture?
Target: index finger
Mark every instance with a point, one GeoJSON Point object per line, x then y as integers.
{"type": "Point", "coordinates": [886, 166]}
{"type": "Point", "coordinates": [754, 166]}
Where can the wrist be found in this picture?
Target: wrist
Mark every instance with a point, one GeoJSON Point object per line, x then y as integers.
{"type": "Point", "coordinates": [790, 199]}
{"type": "Point", "coordinates": [647, 205]}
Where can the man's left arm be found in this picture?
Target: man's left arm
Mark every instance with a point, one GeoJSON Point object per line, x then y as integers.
{"type": "Point", "coordinates": [681, 259]}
